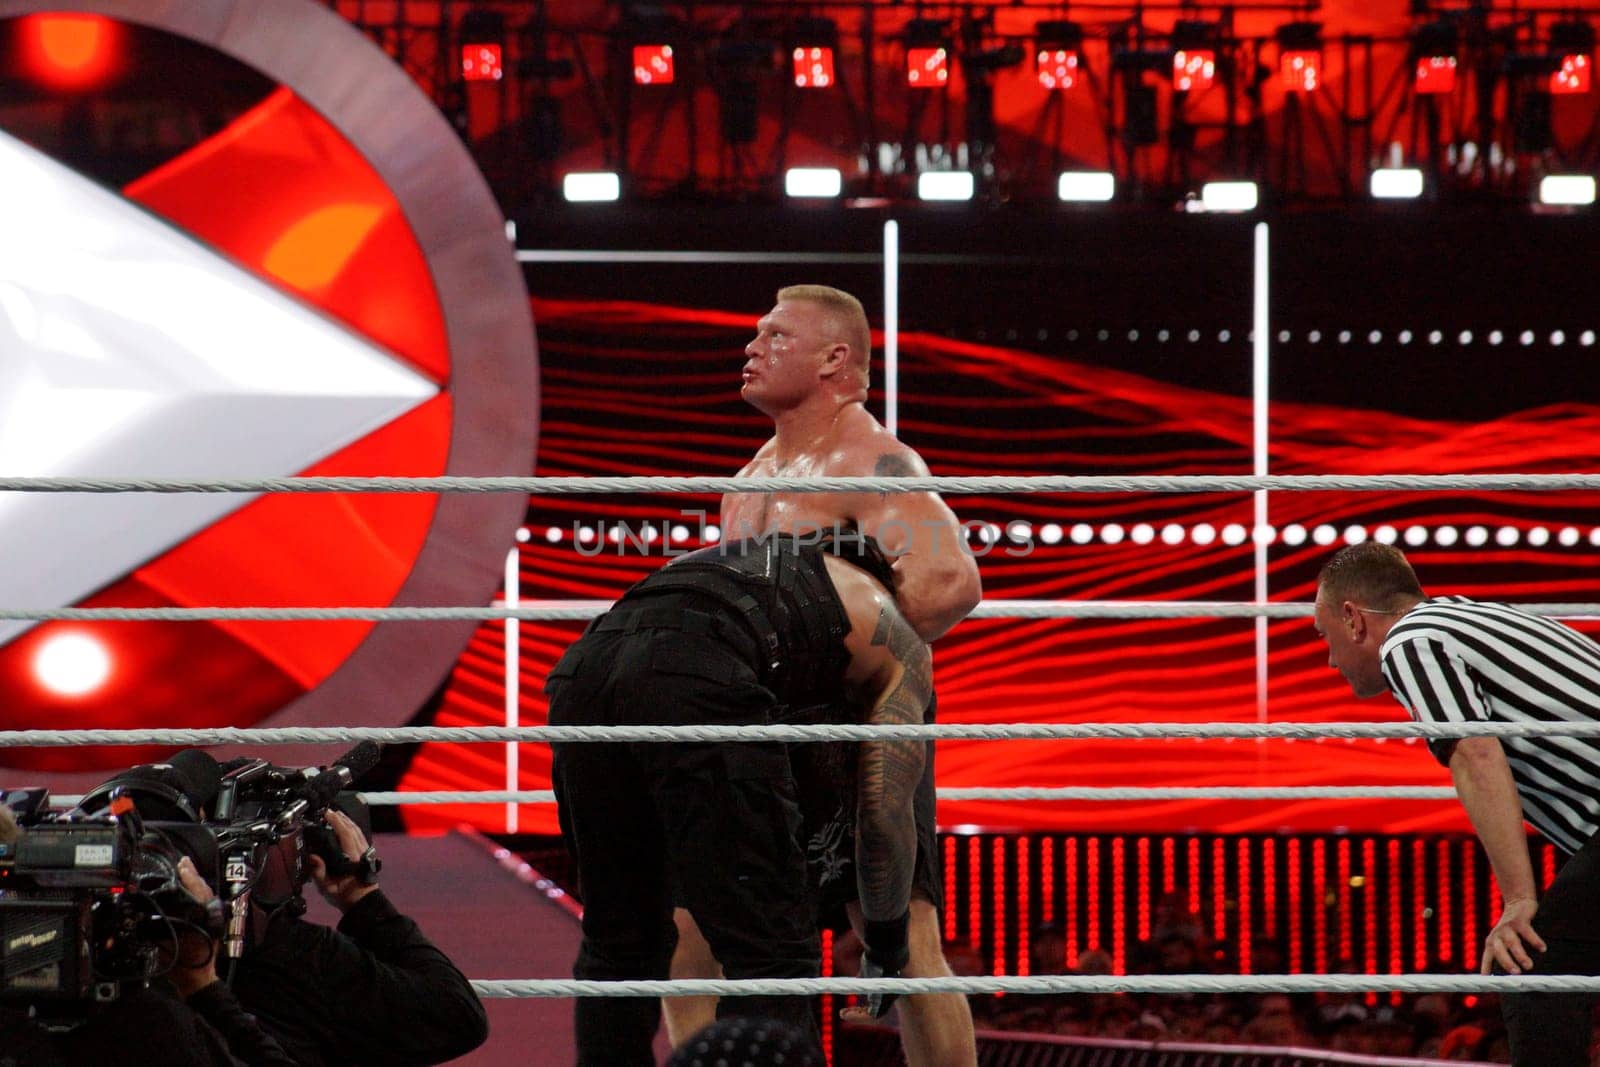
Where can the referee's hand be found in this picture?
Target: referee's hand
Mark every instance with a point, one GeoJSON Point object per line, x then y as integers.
{"type": "Point", "coordinates": [1507, 945]}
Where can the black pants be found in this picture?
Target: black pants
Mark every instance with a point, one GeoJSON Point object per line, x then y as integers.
{"type": "Point", "coordinates": [718, 821]}
{"type": "Point", "coordinates": [1554, 1029]}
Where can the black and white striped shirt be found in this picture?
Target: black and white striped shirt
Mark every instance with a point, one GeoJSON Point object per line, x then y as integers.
{"type": "Point", "coordinates": [1451, 659]}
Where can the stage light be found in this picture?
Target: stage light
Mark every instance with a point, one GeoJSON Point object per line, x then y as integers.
{"type": "Point", "coordinates": [483, 36]}
{"type": "Point", "coordinates": [1396, 183]}
{"type": "Point", "coordinates": [927, 68]}
{"type": "Point", "coordinates": [821, 182]}
{"type": "Point", "coordinates": [653, 65]}
{"type": "Point", "coordinates": [72, 664]}
{"type": "Point", "coordinates": [1194, 55]}
{"type": "Point", "coordinates": [1571, 190]}
{"type": "Point", "coordinates": [1229, 196]}
{"type": "Point", "coordinates": [1434, 49]}
{"type": "Point", "coordinates": [69, 51]}
{"type": "Point", "coordinates": [1086, 186]}
{"type": "Point", "coordinates": [591, 187]}
{"type": "Point", "coordinates": [813, 67]}
{"type": "Point", "coordinates": [813, 44]}
{"type": "Point", "coordinates": [1300, 56]}
{"type": "Point", "coordinates": [1193, 69]}
{"type": "Point", "coordinates": [1572, 45]}
{"type": "Point", "coordinates": [945, 185]}
{"type": "Point", "coordinates": [1050, 533]}
{"type": "Point", "coordinates": [927, 54]}
{"type": "Point", "coordinates": [1058, 54]}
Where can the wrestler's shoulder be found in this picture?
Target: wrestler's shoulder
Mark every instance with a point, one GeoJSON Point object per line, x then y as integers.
{"type": "Point", "coordinates": [869, 449]}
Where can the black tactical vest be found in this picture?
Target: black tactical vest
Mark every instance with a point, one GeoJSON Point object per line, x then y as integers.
{"type": "Point", "coordinates": [778, 586]}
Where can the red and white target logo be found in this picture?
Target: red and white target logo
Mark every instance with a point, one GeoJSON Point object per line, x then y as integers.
{"type": "Point", "coordinates": [320, 286]}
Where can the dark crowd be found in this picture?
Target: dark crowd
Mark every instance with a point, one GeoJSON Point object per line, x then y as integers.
{"type": "Point", "coordinates": [1426, 1026]}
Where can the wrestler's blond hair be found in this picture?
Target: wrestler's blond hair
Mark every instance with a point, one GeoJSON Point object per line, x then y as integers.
{"type": "Point", "coordinates": [849, 317]}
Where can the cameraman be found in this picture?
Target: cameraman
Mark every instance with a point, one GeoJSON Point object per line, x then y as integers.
{"type": "Point", "coordinates": [375, 992]}
{"type": "Point", "coordinates": [184, 1017]}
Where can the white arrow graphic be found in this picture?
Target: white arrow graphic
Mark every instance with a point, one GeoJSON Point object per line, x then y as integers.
{"type": "Point", "coordinates": [129, 349]}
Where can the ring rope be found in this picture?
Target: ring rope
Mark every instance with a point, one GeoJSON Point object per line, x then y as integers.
{"type": "Point", "coordinates": [543, 486]}
{"type": "Point", "coordinates": [381, 798]}
{"type": "Point", "coordinates": [573, 611]}
{"type": "Point", "coordinates": [404, 735]}
{"type": "Point", "coordinates": [1064, 983]}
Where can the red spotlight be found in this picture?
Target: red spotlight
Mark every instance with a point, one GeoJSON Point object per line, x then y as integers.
{"type": "Point", "coordinates": [1301, 71]}
{"type": "Point", "coordinates": [481, 62]}
{"type": "Point", "coordinates": [1193, 69]}
{"type": "Point", "coordinates": [927, 68]}
{"type": "Point", "coordinates": [1436, 75]}
{"type": "Point", "coordinates": [1057, 68]}
{"type": "Point", "coordinates": [813, 67]}
{"type": "Point", "coordinates": [652, 64]}
{"type": "Point", "coordinates": [68, 51]}
{"type": "Point", "coordinates": [1574, 77]}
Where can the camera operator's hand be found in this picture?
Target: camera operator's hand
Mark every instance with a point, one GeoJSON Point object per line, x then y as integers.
{"type": "Point", "coordinates": [344, 891]}
{"type": "Point", "coordinates": [196, 966]}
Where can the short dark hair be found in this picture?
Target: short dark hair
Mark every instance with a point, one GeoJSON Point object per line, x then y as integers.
{"type": "Point", "coordinates": [1375, 574]}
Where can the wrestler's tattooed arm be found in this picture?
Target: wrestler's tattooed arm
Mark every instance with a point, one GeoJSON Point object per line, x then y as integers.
{"type": "Point", "coordinates": [887, 773]}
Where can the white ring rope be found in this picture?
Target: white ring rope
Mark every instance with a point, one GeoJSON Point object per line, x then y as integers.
{"type": "Point", "coordinates": [404, 735]}
{"type": "Point", "coordinates": [1056, 983]}
{"type": "Point", "coordinates": [579, 610]}
{"type": "Point", "coordinates": [1095, 793]}
{"type": "Point", "coordinates": [1092, 793]}
{"type": "Point", "coordinates": [1191, 483]}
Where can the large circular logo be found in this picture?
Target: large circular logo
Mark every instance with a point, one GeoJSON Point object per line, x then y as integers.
{"type": "Point", "coordinates": [320, 283]}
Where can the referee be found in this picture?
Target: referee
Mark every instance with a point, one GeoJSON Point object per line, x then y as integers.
{"type": "Point", "coordinates": [1450, 659]}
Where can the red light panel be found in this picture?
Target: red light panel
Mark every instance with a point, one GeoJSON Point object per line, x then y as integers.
{"type": "Point", "coordinates": [927, 68]}
{"type": "Point", "coordinates": [1447, 950]}
{"type": "Point", "coordinates": [813, 67]}
{"type": "Point", "coordinates": [1193, 69]}
{"type": "Point", "coordinates": [68, 51]}
{"type": "Point", "coordinates": [1169, 865]}
{"type": "Point", "coordinates": [1419, 898]}
{"type": "Point", "coordinates": [1369, 905]}
{"type": "Point", "coordinates": [1436, 74]}
{"type": "Point", "coordinates": [1301, 71]}
{"type": "Point", "coordinates": [652, 64]}
{"type": "Point", "coordinates": [1296, 944]}
{"type": "Point", "coordinates": [950, 889]}
{"type": "Point", "coordinates": [1022, 905]}
{"type": "Point", "coordinates": [1093, 872]}
{"type": "Point", "coordinates": [1144, 888]}
{"type": "Point", "coordinates": [974, 891]}
{"type": "Point", "coordinates": [1469, 907]}
{"type": "Point", "coordinates": [1347, 937]}
{"type": "Point", "coordinates": [1194, 875]}
{"type": "Point", "coordinates": [1119, 907]}
{"type": "Point", "coordinates": [1219, 889]}
{"type": "Point", "coordinates": [1057, 68]}
{"type": "Point", "coordinates": [1574, 77]}
{"type": "Point", "coordinates": [1244, 905]}
{"type": "Point", "coordinates": [1395, 964]}
{"type": "Point", "coordinates": [1047, 879]}
{"type": "Point", "coordinates": [827, 998]}
{"type": "Point", "coordinates": [481, 63]}
{"type": "Point", "coordinates": [1069, 900]}
{"type": "Point", "coordinates": [1319, 906]}
{"type": "Point", "coordinates": [1269, 888]}
{"type": "Point", "coordinates": [999, 907]}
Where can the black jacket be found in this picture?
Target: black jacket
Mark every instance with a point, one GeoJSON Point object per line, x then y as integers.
{"type": "Point", "coordinates": [152, 1026]}
{"type": "Point", "coordinates": [373, 993]}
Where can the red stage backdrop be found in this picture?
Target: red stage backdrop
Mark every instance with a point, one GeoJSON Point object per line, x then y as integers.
{"type": "Point", "coordinates": [634, 388]}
